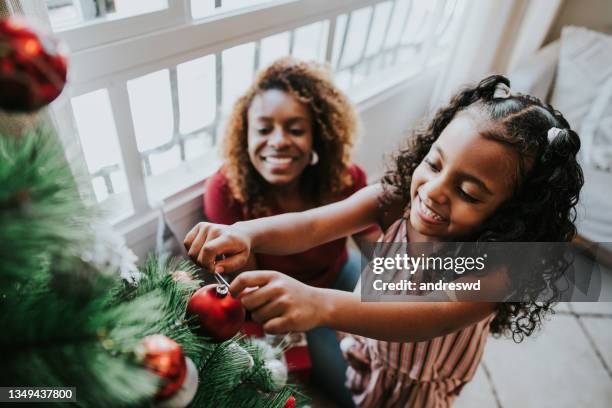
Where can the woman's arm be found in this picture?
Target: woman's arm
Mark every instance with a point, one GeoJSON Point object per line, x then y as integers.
{"type": "Point", "coordinates": [284, 304]}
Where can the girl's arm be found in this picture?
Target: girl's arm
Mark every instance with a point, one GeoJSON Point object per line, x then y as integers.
{"type": "Point", "coordinates": [284, 304]}
{"type": "Point", "coordinates": [297, 232]}
{"type": "Point", "coordinates": [282, 234]}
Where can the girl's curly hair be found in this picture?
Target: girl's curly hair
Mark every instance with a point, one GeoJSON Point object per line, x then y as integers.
{"type": "Point", "coordinates": [542, 207]}
{"type": "Point", "coordinates": [334, 128]}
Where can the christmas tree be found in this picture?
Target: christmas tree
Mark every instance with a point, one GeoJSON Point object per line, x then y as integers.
{"type": "Point", "coordinates": [68, 318]}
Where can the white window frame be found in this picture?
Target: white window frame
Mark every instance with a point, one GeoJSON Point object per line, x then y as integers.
{"type": "Point", "coordinates": [109, 53]}
{"type": "Point", "coordinates": [97, 32]}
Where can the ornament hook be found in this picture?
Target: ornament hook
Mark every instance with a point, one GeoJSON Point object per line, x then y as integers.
{"type": "Point", "coordinates": [220, 280]}
{"type": "Point", "coordinates": [218, 276]}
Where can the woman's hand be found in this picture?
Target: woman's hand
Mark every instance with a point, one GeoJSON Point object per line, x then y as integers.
{"type": "Point", "coordinates": [281, 303]}
{"type": "Point", "coordinates": [206, 241]}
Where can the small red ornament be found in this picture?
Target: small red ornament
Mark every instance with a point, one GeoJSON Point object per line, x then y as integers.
{"type": "Point", "coordinates": [164, 357]}
{"type": "Point", "coordinates": [290, 403]}
{"type": "Point", "coordinates": [185, 394]}
{"type": "Point", "coordinates": [33, 67]}
{"type": "Point", "coordinates": [220, 315]}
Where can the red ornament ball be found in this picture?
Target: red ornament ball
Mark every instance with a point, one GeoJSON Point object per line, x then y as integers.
{"type": "Point", "coordinates": [185, 394]}
{"type": "Point", "coordinates": [220, 315]}
{"type": "Point", "coordinates": [290, 403]}
{"type": "Point", "coordinates": [33, 67]}
{"type": "Point", "coordinates": [164, 357]}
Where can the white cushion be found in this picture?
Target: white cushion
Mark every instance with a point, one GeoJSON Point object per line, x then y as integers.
{"type": "Point", "coordinates": [583, 93]}
{"type": "Point", "coordinates": [535, 75]}
{"type": "Point", "coordinates": [585, 62]}
{"type": "Point", "coordinates": [594, 210]}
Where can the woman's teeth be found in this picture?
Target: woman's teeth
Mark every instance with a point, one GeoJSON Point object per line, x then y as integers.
{"type": "Point", "coordinates": [278, 160]}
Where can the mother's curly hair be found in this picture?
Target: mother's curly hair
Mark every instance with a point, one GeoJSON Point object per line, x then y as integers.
{"type": "Point", "coordinates": [334, 128]}
{"type": "Point", "coordinates": [542, 207]}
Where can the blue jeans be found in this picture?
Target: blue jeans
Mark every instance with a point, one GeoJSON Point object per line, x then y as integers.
{"type": "Point", "coordinates": [328, 365]}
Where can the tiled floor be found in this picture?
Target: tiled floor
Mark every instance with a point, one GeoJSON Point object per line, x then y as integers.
{"type": "Point", "coordinates": [566, 365]}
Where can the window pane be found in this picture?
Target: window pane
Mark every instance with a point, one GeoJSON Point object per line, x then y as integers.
{"type": "Point", "coordinates": [98, 135]}
{"type": "Point", "coordinates": [204, 8]}
{"type": "Point", "coordinates": [151, 105]}
{"type": "Point", "coordinates": [272, 48]}
{"type": "Point", "coordinates": [396, 35]}
{"type": "Point", "coordinates": [175, 119]}
{"type": "Point", "coordinates": [310, 41]}
{"type": "Point", "coordinates": [341, 22]}
{"type": "Point", "coordinates": [196, 91]}
{"type": "Point", "coordinates": [382, 16]}
{"type": "Point", "coordinates": [356, 37]}
{"type": "Point", "coordinates": [447, 29]}
{"type": "Point", "coordinates": [399, 19]}
{"type": "Point", "coordinates": [418, 23]}
{"type": "Point", "coordinates": [238, 64]}
{"type": "Point", "coordinates": [71, 13]}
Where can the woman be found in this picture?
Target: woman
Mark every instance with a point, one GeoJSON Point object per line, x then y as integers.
{"type": "Point", "coordinates": [287, 149]}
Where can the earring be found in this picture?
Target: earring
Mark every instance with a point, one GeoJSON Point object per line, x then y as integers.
{"type": "Point", "coordinates": [315, 158]}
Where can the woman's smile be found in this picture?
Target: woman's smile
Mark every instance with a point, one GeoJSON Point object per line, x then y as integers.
{"type": "Point", "coordinates": [278, 159]}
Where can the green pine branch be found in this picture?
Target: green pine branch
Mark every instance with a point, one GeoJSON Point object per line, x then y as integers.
{"type": "Point", "coordinates": [65, 322]}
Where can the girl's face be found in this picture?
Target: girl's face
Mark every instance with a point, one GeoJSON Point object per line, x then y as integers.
{"type": "Point", "coordinates": [279, 136]}
{"type": "Point", "coordinates": [462, 181]}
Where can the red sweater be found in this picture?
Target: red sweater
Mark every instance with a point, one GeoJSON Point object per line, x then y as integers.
{"type": "Point", "coordinates": [318, 266]}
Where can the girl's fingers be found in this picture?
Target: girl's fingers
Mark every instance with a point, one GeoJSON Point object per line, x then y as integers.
{"type": "Point", "coordinates": [205, 242]}
{"type": "Point", "coordinates": [236, 255]}
{"type": "Point", "coordinates": [191, 236]}
{"type": "Point", "coordinates": [251, 279]}
{"type": "Point", "coordinates": [204, 259]}
{"type": "Point", "coordinates": [258, 298]}
{"type": "Point", "coordinates": [278, 325]}
{"type": "Point", "coordinates": [268, 311]}
{"type": "Point", "coordinates": [197, 243]}
{"type": "Point", "coordinates": [231, 263]}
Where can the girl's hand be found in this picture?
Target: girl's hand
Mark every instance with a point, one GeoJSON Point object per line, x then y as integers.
{"type": "Point", "coordinates": [206, 241]}
{"type": "Point", "coordinates": [281, 303]}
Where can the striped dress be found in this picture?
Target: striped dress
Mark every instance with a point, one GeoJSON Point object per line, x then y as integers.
{"type": "Point", "coordinates": [424, 374]}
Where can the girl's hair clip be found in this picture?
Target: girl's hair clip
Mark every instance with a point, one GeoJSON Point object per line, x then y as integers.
{"type": "Point", "coordinates": [553, 132]}
{"type": "Point", "coordinates": [502, 91]}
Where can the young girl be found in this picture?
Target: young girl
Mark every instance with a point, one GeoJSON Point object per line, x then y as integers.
{"type": "Point", "coordinates": [491, 166]}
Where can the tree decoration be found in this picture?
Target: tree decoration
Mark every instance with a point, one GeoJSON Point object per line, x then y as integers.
{"type": "Point", "coordinates": [241, 355]}
{"type": "Point", "coordinates": [164, 357]}
{"type": "Point", "coordinates": [290, 403]}
{"type": "Point", "coordinates": [278, 373]}
{"type": "Point", "coordinates": [184, 395]}
{"type": "Point", "coordinates": [33, 66]}
{"type": "Point", "coordinates": [219, 314]}
{"type": "Point", "coordinates": [182, 277]}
